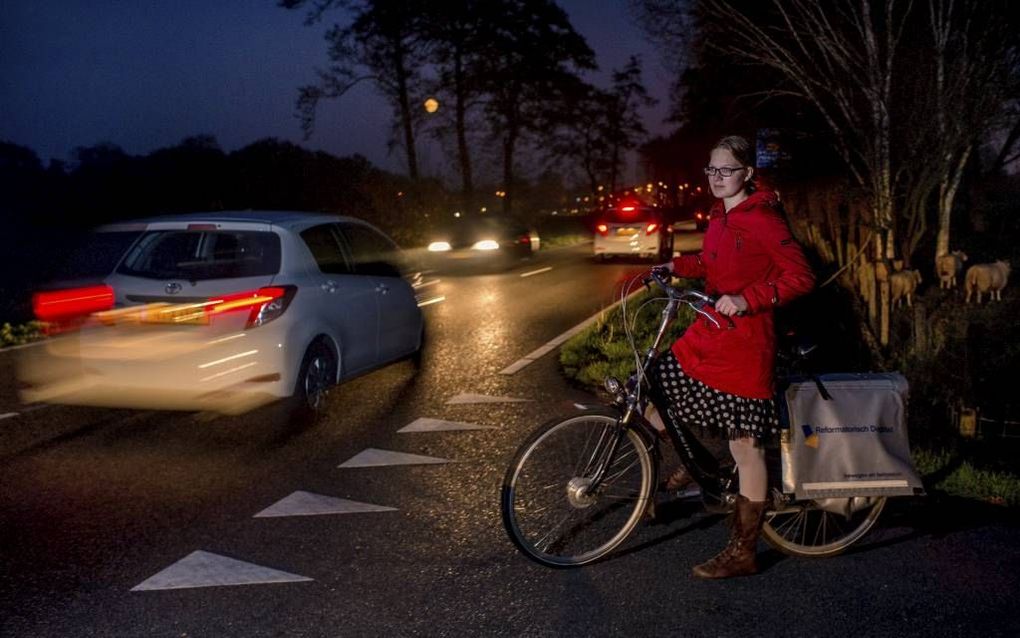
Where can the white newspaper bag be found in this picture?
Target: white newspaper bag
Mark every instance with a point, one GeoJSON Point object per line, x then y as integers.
{"type": "Point", "coordinates": [853, 443]}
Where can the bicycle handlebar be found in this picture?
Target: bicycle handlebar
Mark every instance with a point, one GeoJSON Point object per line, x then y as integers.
{"type": "Point", "coordinates": [696, 299]}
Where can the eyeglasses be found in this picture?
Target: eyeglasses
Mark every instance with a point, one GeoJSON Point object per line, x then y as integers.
{"type": "Point", "coordinates": [725, 171]}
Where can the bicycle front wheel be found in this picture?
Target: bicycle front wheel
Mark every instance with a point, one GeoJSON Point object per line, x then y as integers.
{"type": "Point", "coordinates": [548, 505]}
{"type": "Point", "coordinates": [821, 528]}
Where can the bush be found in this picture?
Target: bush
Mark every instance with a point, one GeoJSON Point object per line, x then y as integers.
{"type": "Point", "coordinates": [20, 334]}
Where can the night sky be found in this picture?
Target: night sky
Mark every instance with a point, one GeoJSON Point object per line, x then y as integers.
{"type": "Point", "coordinates": [144, 74]}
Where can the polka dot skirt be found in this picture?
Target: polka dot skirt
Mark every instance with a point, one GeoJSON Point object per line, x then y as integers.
{"type": "Point", "coordinates": [712, 412]}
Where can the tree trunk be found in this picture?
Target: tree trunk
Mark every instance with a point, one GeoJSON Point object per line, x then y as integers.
{"type": "Point", "coordinates": [509, 141]}
{"type": "Point", "coordinates": [947, 194]}
{"type": "Point", "coordinates": [920, 330]}
{"type": "Point", "coordinates": [463, 152]}
{"type": "Point", "coordinates": [405, 112]}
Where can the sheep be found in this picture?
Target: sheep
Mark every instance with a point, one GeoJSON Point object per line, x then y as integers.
{"type": "Point", "coordinates": [948, 267]}
{"type": "Point", "coordinates": [990, 278]}
{"type": "Point", "coordinates": [903, 285]}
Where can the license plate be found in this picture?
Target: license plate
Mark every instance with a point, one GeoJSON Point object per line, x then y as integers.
{"type": "Point", "coordinates": [185, 315]}
{"type": "Point", "coordinates": [626, 232]}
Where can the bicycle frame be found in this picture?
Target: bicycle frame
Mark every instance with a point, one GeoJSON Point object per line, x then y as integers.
{"type": "Point", "coordinates": [701, 463]}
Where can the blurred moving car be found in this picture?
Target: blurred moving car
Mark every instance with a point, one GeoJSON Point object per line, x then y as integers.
{"type": "Point", "coordinates": [475, 242]}
{"type": "Point", "coordinates": [223, 312]}
{"type": "Point", "coordinates": [631, 229]}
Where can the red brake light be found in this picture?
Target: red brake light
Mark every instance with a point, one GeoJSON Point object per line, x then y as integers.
{"type": "Point", "coordinates": [699, 215]}
{"type": "Point", "coordinates": [263, 305]}
{"type": "Point", "coordinates": [524, 239]}
{"type": "Point", "coordinates": [74, 302]}
{"type": "Point", "coordinates": [650, 228]}
{"type": "Point", "coordinates": [627, 209]}
{"type": "Point", "coordinates": [201, 226]}
{"type": "Point", "coordinates": [603, 229]}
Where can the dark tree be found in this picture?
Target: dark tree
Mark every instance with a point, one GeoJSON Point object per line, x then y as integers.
{"type": "Point", "coordinates": [384, 44]}
{"type": "Point", "coordinates": [457, 33]}
{"type": "Point", "coordinates": [536, 53]}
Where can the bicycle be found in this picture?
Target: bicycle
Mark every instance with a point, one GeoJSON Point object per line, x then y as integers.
{"type": "Point", "coordinates": [578, 486]}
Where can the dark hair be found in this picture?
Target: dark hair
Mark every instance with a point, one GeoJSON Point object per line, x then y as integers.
{"type": "Point", "coordinates": [742, 151]}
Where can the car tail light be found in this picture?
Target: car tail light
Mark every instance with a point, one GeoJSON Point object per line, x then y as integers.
{"type": "Point", "coordinates": [627, 209]}
{"type": "Point", "coordinates": [61, 305]}
{"type": "Point", "coordinates": [699, 215]}
{"type": "Point", "coordinates": [263, 305]}
{"type": "Point", "coordinates": [650, 228]}
{"type": "Point", "coordinates": [603, 229]}
{"type": "Point", "coordinates": [524, 239]}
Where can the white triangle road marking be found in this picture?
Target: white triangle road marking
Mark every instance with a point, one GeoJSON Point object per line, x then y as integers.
{"type": "Point", "coordinates": [205, 569]}
{"type": "Point", "coordinates": [437, 425]}
{"type": "Point", "coordinates": [310, 504]}
{"type": "Point", "coordinates": [482, 398]}
{"type": "Point", "coordinates": [373, 457]}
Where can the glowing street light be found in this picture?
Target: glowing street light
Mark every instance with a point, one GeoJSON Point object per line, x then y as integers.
{"type": "Point", "coordinates": [431, 105]}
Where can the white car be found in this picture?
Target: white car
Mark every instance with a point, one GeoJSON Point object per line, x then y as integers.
{"type": "Point", "coordinates": [225, 311]}
{"type": "Point", "coordinates": [630, 230]}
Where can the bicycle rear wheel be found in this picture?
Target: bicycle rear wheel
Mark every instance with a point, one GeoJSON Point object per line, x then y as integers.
{"type": "Point", "coordinates": [820, 529]}
{"type": "Point", "coordinates": [547, 508]}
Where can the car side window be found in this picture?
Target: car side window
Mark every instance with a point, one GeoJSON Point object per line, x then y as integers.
{"type": "Point", "coordinates": [372, 252]}
{"type": "Point", "coordinates": [324, 245]}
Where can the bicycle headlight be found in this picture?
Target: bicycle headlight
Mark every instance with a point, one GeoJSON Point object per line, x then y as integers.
{"type": "Point", "coordinates": [613, 385]}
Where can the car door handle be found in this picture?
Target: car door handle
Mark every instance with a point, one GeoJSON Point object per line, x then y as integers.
{"type": "Point", "coordinates": [382, 288]}
{"type": "Point", "coordinates": [329, 286]}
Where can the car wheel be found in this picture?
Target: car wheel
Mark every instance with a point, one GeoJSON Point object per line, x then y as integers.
{"type": "Point", "coordinates": [419, 355]}
{"type": "Point", "coordinates": [316, 376]}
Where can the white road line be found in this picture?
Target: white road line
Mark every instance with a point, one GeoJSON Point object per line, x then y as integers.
{"type": "Point", "coordinates": [429, 302]}
{"type": "Point", "coordinates": [31, 408]}
{"type": "Point", "coordinates": [536, 272]}
{"type": "Point", "coordinates": [33, 344]}
{"type": "Point", "coordinates": [541, 351]}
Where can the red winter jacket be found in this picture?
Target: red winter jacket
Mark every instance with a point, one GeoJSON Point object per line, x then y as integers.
{"type": "Point", "coordinates": [748, 251]}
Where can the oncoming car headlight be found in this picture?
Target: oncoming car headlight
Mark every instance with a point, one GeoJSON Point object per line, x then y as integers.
{"type": "Point", "coordinates": [439, 246]}
{"type": "Point", "coordinates": [485, 244]}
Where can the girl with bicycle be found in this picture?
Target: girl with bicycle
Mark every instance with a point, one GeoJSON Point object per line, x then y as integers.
{"type": "Point", "coordinates": [719, 379]}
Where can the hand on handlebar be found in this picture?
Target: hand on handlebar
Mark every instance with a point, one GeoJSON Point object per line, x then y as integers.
{"type": "Point", "coordinates": [729, 305]}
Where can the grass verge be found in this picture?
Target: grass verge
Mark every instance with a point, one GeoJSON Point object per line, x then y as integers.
{"type": "Point", "coordinates": [603, 349]}
{"type": "Point", "coordinates": [951, 473]}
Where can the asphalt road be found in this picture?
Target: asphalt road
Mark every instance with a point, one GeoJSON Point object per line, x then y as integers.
{"type": "Point", "coordinates": [95, 503]}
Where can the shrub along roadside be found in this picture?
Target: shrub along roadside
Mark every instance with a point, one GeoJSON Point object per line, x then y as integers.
{"type": "Point", "coordinates": [602, 350]}
{"type": "Point", "coordinates": [19, 335]}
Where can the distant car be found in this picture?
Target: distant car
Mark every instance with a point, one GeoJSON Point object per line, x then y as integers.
{"type": "Point", "coordinates": [221, 311]}
{"type": "Point", "coordinates": [632, 230]}
{"type": "Point", "coordinates": [480, 242]}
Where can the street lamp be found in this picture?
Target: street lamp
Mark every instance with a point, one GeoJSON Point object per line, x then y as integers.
{"type": "Point", "coordinates": [431, 105]}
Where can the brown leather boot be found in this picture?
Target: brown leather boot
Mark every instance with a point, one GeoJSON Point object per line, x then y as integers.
{"type": "Point", "coordinates": [738, 558]}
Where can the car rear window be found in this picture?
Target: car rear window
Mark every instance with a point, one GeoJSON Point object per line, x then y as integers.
{"type": "Point", "coordinates": [201, 255]}
{"type": "Point", "coordinates": [636, 216]}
